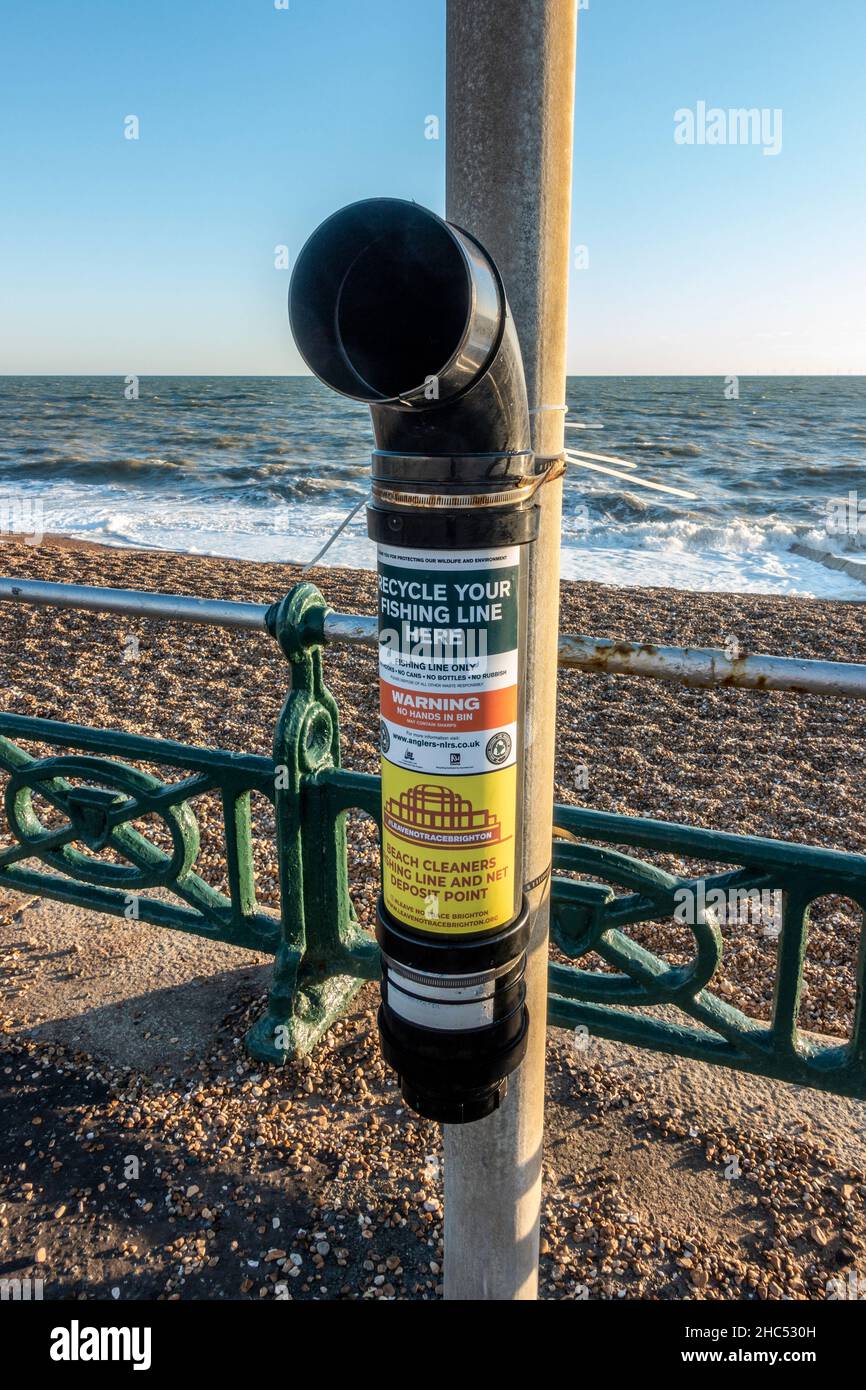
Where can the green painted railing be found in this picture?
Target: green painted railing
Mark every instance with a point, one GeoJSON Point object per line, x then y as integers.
{"type": "Point", "coordinates": [65, 813]}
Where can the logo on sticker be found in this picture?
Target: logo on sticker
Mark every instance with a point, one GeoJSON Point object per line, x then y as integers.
{"type": "Point", "coordinates": [498, 748]}
{"type": "Point", "coordinates": [438, 815]}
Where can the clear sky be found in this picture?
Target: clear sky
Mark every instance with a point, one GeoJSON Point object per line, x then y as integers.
{"type": "Point", "coordinates": [158, 254]}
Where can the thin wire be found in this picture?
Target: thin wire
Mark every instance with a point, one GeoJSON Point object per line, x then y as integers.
{"type": "Point", "coordinates": [575, 461]}
{"type": "Point", "coordinates": [330, 541]}
{"type": "Point", "coordinates": [600, 458]}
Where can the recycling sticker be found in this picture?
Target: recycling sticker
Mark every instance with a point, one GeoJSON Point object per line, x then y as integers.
{"type": "Point", "coordinates": [448, 668]}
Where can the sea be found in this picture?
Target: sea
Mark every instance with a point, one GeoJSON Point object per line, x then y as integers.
{"type": "Point", "coordinates": [266, 468]}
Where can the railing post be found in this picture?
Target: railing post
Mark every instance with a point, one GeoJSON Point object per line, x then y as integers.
{"type": "Point", "coordinates": [509, 124]}
{"type": "Point", "coordinates": [315, 975]}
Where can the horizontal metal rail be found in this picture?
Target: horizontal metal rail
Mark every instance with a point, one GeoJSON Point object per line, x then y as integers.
{"type": "Point", "coordinates": [705, 667]}
{"type": "Point", "coordinates": [135, 603]}
{"type": "Point", "coordinates": [701, 667]}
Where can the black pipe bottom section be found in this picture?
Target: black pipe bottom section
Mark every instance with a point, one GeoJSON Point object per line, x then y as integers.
{"type": "Point", "coordinates": [442, 1090]}
{"type": "Point", "coordinates": [453, 1022]}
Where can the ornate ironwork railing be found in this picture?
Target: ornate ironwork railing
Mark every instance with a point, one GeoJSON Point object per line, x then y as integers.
{"type": "Point", "coordinates": [84, 826]}
{"type": "Point", "coordinates": [591, 917]}
{"type": "Point", "coordinates": [94, 803]}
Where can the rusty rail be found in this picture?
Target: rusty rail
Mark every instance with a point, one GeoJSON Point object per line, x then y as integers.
{"type": "Point", "coordinates": [706, 667]}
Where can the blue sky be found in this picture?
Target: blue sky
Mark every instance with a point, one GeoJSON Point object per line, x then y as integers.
{"type": "Point", "coordinates": [158, 254]}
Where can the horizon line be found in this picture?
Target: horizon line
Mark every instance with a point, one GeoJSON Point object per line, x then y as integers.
{"type": "Point", "coordinates": [310, 376]}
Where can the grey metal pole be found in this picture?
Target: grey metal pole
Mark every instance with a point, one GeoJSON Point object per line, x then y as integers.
{"type": "Point", "coordinates": [705, 667]}
{"type": "Point", "coordinates": [134, 603]}
{"type": "Point", "coordinates": [510, 100]}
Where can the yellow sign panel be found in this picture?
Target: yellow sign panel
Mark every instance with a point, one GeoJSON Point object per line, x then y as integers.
{"type": "Point", "coordinates": [448, 849]}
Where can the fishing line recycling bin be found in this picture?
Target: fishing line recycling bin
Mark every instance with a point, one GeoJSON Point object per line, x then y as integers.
{"type": "Point", "coordinates": [393, 306]}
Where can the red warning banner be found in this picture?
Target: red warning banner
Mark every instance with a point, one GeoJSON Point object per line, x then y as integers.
{"type": "Point", "coordinates": [444, 712]}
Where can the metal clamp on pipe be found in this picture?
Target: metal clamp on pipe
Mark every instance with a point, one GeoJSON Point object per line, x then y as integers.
{"type": "Point", "coordinates": [393, 306]}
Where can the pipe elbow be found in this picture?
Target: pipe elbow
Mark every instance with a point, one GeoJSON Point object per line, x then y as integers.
{"type": "Point", "coordinates": [391, 305]}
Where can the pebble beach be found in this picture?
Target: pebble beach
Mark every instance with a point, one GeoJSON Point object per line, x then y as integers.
{"type": "Point", "coordinates": [311, 1182]}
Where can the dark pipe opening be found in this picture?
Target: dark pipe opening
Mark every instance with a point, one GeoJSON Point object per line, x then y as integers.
{"type": "Point", "coordinates": [413, 283]}
{"type": "Point", "coordinates": [381, 299]}
{"type": "Point", "coordinates": [391, 305]}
